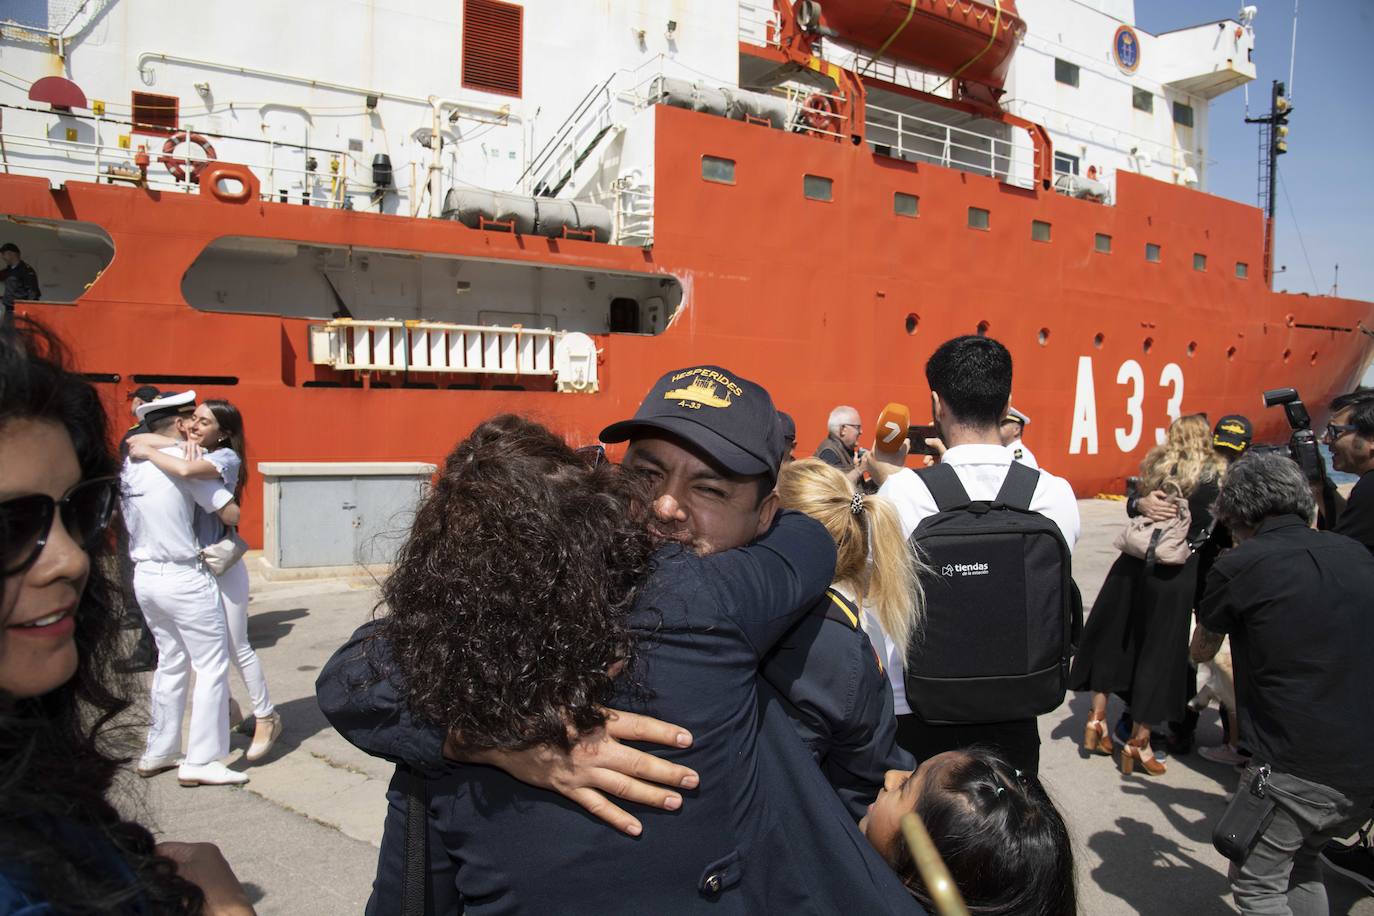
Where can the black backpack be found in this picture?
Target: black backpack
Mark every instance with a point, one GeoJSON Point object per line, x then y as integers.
{"type": "Point", "coordinates": [1002, 609]}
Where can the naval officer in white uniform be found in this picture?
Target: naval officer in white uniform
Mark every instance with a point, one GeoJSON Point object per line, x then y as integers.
{"type": "Point", "coordinates": [1012, 427]}
{"type": "Point", "coordinates": [181, 600]}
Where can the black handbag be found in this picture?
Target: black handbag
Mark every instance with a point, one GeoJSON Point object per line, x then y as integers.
{"type": "Point", "coordinates": [1245, 818]}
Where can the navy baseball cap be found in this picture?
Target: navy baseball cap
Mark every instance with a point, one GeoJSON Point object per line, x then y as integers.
{"type": "Point", "coordinates": [1234, 432]}
{"type": "Point", "coordinates": [729, 418]}
{"type": "Point", "coordinates": [788, 426]}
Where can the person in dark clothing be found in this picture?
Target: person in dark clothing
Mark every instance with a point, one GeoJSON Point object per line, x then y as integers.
{"type": "Point", "coordinates": [19, 280]}
{"type": "Point", "coordinates": [789, 436]}
{"type": "Point", "coordinates": [827, 669]}
{"type": "Point", "coordinates": [705, 618]}
{"type": "Point", "coordinates": [840, 448]}
{"type": "Point", "coordinates": [1135, 643]}
{"type": "Point", "coordinates": [1350, 435]}
{"type": "Point", "coordinates": [1295, 603]}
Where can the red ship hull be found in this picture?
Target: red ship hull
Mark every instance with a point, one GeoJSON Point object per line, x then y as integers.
{"type": "Point", "coordinates": [813, 299]}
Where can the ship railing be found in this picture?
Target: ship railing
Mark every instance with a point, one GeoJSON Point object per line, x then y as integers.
{"type": "Point", "coordinates": [759, 23]}
{"type": "Point", "coordinates": [634, 213]}
{"type": "Point", "coordinates": [99, 161]}
{"type": "Point", "coordinates": [434, 347]}
{"type": "Point", "coordinates": [908, 136]}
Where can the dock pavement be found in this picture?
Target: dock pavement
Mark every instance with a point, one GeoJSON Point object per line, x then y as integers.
{"type": "Point", "coordinates": [303, 834]}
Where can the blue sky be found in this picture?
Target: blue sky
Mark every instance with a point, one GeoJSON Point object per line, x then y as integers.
{"type": "Point", "coordinates": [1329, 170]}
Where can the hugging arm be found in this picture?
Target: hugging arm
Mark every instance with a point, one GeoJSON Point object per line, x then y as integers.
{"type": "Point", "coordinates": [366, 706]}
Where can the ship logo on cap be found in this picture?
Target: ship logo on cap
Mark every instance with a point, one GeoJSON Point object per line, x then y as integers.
{"type": "Point", "coordinates": [1234, 429]}
{"type": "Point", "coordinates": [701, 391]}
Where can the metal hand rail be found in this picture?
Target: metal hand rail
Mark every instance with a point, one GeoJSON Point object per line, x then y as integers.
{"type": "Point", "coordinates": [432, 347]}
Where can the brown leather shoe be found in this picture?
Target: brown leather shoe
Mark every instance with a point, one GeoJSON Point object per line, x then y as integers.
{"type": "Point", "coordinates": [1133, 753]}
{"type": "Point", "coordinates": [1097, 738]}
{"type": "Point", "coordinates": [266, 731]}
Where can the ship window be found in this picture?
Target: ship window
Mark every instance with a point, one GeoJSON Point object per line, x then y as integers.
{"type": "Point", "coordinates": [1040, 230]}
{"type": "Point", "coordinates": [1199, 261]}
{"type": "Point", "coordinates": [1242, 270]}
{"type": "Point", "coordinates": [1065, 163]}
{"type": "Point", "coordinates": [1143, 100]}
{"type": "Point", "coordinates": [721, 171]}
{"type": "Point", "coordinates": [491, 46]}
{"type": "Point", "coordinates": [816, 187]}
{"type": "Point", "coordinates": [978, 218]}
{"type": "Point", "coordinates": [1183, 114]}
{"type": "Point", "coordinates": [1065, 72]}
{"type": "Point", "coordinates": [1102, 243]}
{"type": "Point", "coordinates": [1151, 252]}
{"type": "Point", "coordinates": [906, 204]}
{"type": "Point", "coordinates": [156, 114]}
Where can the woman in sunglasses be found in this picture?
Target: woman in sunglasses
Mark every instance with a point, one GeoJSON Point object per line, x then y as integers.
{"type": "Point", "coordinates": [63, 846]}
{"type": "Point", "coordinates": [215, 450]}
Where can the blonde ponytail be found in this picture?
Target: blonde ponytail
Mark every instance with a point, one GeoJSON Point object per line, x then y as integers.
{"type": "Point", "coordinates": [885, 577]}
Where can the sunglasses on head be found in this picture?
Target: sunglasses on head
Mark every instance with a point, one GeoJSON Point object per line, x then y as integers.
{"type": "Point", "coordinates": [26, 521]}
{"type": "Point", "coordinates": [593, 455]}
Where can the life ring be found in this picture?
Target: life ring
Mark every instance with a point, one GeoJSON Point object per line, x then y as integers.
{"type": "Point", "coordinates": [249, 188]}
{"type": "Point", "coordinates": [178, 166]}
{"type": "Point", "coordinates": [821, 113]}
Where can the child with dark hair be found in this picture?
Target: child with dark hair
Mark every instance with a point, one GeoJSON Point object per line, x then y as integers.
{"type": "Point", "coordinates": [1003, 840]}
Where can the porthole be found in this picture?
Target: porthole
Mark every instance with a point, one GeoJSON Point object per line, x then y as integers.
{"type": "Point", "coordinates": [912, 321]}
{"type": "Point", "coordinates": [1098, 339]}
{"type": "Point", "coordinates": [1043, 336]}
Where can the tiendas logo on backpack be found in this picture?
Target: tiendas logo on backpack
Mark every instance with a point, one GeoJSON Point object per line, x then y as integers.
{"type": "Point", "coordinates": [994, 647]}
{"type": "Point", "coordinates": [964, 569]}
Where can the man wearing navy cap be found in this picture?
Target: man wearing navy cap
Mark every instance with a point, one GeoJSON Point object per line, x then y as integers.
{"type": "Point", "coordinates": [789, 436]}
{"type": "Point", "coordinates": [764, 832]}
{"type": "Point", "coordinates": [181, 601]}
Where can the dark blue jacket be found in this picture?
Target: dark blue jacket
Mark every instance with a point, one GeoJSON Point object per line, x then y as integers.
{"type": "Point", "coordinates": [832, 684]}
{"type": "Point", "coordinates": [764, 833]}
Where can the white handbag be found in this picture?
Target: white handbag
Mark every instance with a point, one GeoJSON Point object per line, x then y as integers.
{"type": "Point", "coordinates": [221, 556]}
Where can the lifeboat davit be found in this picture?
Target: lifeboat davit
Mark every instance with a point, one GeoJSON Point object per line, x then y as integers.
{"type": "Point", "coordinates": [969, 39]}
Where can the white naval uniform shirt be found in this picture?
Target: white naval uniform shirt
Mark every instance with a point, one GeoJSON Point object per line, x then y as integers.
{"type": "Point", "coordinates": [159, 510]}
{"type": "Point", "coordinates": [981, 469]}
{"type": "Point", "coordinates": [1019, 452]}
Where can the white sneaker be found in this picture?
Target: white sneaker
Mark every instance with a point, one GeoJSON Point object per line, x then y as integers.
{"type": "Point", "coordinates": [151, 766]}
{"type": "Point", "coordinates": [213, 773]}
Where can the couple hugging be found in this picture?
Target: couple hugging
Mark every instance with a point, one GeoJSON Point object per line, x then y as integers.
{"type": "Point", "coordinates": [549, 602]}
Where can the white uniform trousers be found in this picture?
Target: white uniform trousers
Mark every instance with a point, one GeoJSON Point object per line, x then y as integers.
{"type": "Point", "coordinates": [233, 590]}
{"type": "Point", "coordinates": [182, 604]}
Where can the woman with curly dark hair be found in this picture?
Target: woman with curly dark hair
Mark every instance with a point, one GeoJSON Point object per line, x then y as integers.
{"type": "Point", "coordinates": [63, 847]}
{"type": "Point", "coordinates": [518, 635]}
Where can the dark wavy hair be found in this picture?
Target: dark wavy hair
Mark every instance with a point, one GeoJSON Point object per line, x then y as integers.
{"type": "Point", "coordinates": [231, 426]}
{"type": "Point", "coordinates": [972, 376]}
{"type": "Point", "coordinates": [1001, 836]}
{"type": "Point", "coordinates": [56, 765]}
{"type": "Point", "coordinates": [508, 603]}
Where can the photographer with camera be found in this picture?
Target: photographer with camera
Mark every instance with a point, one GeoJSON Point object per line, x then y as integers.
{"type": "Point", "coordinates": [1350, 436]}
{"type": "Point", "coordinates": [1295, 603]}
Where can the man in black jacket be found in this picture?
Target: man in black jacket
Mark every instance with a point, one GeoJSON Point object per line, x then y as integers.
{"type": "Point", "coordinates": [1296, 604]}
{"type": "Point", "coordinates": [1350, 434]}
{"type": "Point", "coordinates": [19, 279]}
{"type": "Point", "coordinates": [765, 832]}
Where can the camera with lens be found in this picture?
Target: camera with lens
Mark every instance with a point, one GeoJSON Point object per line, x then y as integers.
{"type": "Point", "coordinates": [1302, 444]}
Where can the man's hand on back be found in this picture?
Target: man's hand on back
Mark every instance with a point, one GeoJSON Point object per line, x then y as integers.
{"type": "Point", "coordinates": [1157, 507]}
{"type": "Point", "coordinates": [598, 766]}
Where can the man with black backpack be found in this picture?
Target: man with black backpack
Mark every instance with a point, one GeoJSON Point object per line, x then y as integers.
{"type": "Point", "coordinates": [1001, 604]}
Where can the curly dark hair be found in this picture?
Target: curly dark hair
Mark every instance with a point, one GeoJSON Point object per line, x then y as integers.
{"type": "Point", "coordinates": [1005, 843]}
{"type": "Point", "coordinates": [56, 763]}
{"type": "Point", "coordinates": [508, 603]}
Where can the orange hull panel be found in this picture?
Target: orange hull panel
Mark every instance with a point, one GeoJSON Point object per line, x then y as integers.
{"type": "Point", "coordinates": [811, 299]}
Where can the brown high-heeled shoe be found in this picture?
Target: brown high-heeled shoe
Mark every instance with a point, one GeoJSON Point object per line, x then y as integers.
{"type": "Point", "coordinates": [1097, 738]}
{"type": "Point", "coordinates": [1133, 753]}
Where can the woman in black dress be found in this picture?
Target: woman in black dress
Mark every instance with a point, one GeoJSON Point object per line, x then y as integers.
{"type": "Point", "coordinates": [1135, 643]}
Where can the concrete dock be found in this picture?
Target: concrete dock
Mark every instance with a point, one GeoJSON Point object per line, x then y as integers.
{"type": "Point", "coordinates": [303, 834]}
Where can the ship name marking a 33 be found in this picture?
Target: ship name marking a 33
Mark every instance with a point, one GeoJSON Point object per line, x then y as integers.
{"type": "Point", "coordinates": [1083, 434]}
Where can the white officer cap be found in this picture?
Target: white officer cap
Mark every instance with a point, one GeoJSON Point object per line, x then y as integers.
{"type": "Point", "coordinates": [1018, 416]}
{"type": "Point", "coordinates": [164, 406]}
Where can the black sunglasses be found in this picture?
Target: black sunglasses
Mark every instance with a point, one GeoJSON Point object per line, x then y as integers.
{"type": "Point", "coordinates": [1335, 430]}
{"type": "Point", "coordinates": [26, 521]}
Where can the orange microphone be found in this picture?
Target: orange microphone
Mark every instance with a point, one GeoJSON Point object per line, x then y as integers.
{"type": "Point", "coordinates": [893, 424]}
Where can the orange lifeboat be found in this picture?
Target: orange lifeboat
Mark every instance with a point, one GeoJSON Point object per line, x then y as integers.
{"type": "Point", "coordinates": [969, 39]}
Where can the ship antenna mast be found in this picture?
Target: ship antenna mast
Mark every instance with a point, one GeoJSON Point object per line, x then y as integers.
{"type": "Point", "coordinates": [1273, 143]}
